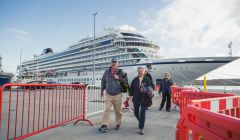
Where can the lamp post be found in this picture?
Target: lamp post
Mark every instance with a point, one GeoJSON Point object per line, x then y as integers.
{"type": "Point", "coordinates": [94, 15]}
{"type": "Point", "coordinates": [230, 48]}
{"type": "Point", "coordinates": [20, 67]}
{"type": "Point", "coordinates": [37, 69]}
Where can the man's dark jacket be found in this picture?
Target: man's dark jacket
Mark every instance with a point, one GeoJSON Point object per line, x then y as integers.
{"type": "Point", "coordinates": [112, 85]}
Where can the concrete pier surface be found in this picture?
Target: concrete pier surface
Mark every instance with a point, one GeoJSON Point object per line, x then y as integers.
{"type": "Point", "coordinates": [159, 125]}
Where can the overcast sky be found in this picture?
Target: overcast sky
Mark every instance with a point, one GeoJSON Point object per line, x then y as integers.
{"type": "Point", "coordinates": [182, 28]}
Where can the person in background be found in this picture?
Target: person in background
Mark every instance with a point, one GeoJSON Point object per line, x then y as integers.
{"type": "Point", "coordinates": [165, 88]}
{"type": "Point", "coordinates": [113, 94]}
{"type": "Point", "coordinates": [147, 74]}
{"type": "Point", "coordinates": [137, 94]}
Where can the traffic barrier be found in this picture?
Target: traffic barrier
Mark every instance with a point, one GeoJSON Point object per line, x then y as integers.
{"type": "Point", "coordinates": [176, 94]}
{"type": "Point", "coordinates": [181, 96]}
{"type": "Point", "coordinates": [204, 119]}
{"type": "Point", "coordinates": [186, 96]}
{"type": "Point", "coordinates": [234, 112]}
{"type": "Point", "coordinates": [94, 103]}
{"type": "Point", "coordinates": [218, 104]}
{"type": "Point", "coordinates": [28, 109]}
{"type": "Point", "coordinates": [225, 105]}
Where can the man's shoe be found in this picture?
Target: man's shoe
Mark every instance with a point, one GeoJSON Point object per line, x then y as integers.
{"type": "Point", "coordinates": [141, 131]}
{"type": "Point", "coordinates": [103, 129]}
{"type": "Point", "coordinates": [160, 109]}
{"type": "Point", "coordinates": [117, 127]}
{"type": "Point", "coordinates": [168, 110]}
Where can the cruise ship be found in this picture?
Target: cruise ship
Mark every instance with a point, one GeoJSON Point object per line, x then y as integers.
{"type": "Point", "coordinates": [86, 60]}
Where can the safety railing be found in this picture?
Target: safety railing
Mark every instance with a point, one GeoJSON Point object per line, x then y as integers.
{"type": "Point", "coordinates": [204, 119]}
{"type": "Point", "coordinates": [28, 109]}
{"type": "Point", "coordinates": [94, 103]}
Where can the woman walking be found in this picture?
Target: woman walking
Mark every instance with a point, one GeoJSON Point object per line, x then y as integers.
{"type": "Point", "coordinates": [165, 88]}
{"type": "Point", "coordinates": [141, 91]}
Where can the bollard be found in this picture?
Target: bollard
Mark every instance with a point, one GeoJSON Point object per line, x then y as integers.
{"type": "Point", "coordinates": [205, 84]}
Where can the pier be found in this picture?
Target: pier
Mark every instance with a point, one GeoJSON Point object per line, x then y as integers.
{"type": "Point", "coordinates": [159, 125]}
{"type": "Point", "coordinates": [73, 111]}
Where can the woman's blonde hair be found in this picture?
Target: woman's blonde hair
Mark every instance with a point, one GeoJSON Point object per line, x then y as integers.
{"type": "Point", "coordinates": [140, 68]}
{"type": "Point", "coordinates": [167, 73]}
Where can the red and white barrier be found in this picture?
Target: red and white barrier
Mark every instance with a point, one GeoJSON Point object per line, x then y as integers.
{"type": "Point", "coordinates": [207, 115]}
{"type": "Point", "coordinates": [222, 105]}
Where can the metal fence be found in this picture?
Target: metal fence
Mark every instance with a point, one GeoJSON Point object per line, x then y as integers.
{"type": "Point", "coordinates": [28, 109]}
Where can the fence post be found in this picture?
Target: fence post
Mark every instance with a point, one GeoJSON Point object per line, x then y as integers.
{"type": "Point", "coordinates": [84, 118]}
{"type": "Point", "coordinates": [85, 103]}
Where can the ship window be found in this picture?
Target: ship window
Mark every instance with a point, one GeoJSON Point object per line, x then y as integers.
{"type": "Point", "coordinates": [130, 34]}
{"type": "Point", "coordinates": [103, 43]}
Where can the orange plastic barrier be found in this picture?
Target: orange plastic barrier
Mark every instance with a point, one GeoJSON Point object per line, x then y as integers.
{"type": "Point", "coordinates": [28, 109]}
{"type": "Point", "coordinates": [201, 119]}
{"type": "Point", "coordinates": [187, 96]}
{"type": "Point", "coordinates": [234, 112]}
{"type": "Point", "coordinates": [181, 96]}
{"type": "Point", "coordinates": [176, 94]}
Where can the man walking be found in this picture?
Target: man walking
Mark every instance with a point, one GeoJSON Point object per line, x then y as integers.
{"type": "Point", "coordinates": [113, 94]}
{"type": "Point", "coordinates": [165, 88]}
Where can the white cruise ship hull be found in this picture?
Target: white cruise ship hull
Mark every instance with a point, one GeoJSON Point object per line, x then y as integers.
{"type": "Point", "coordinates": [182, 70]}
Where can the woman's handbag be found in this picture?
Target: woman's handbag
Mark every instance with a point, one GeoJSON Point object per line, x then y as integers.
{"type": "Point", "coordinates": [147, 95]}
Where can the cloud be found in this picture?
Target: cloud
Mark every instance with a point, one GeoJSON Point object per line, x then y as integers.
{"type": "Point", "coordinates": [18, 31]}
{"type": "Point", "coordinates": [194, 28]}
{"type": "Point", "coordinates": [20, 34]}
{"type": "Point", "coordinates": [127, 28]}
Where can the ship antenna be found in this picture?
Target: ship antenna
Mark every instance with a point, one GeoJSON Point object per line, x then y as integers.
{"type": "Point", "coordinates": [230, 48]}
